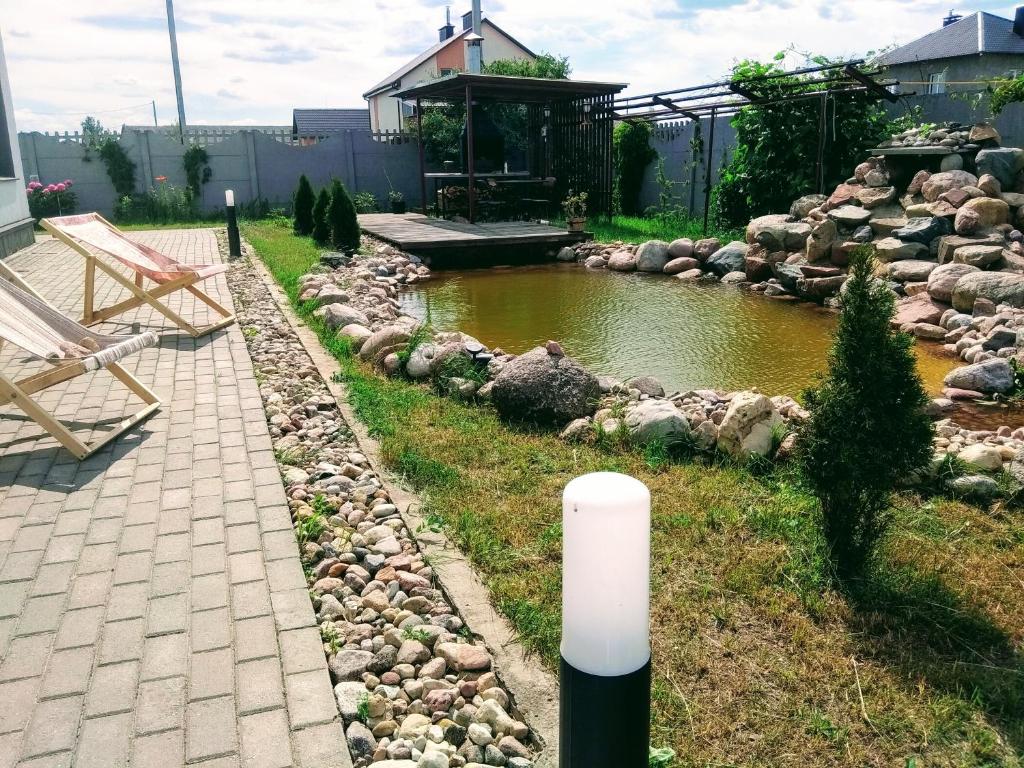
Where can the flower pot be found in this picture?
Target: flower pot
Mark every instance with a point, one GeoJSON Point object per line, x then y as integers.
{"type": "Point", "coordinates": [398, 206]}
{"type": "Point", "coordinates": [576, 225]}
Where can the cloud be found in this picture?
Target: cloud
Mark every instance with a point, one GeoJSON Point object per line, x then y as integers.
{"type": "Point", "coordinates": [137, 23]}
{"type": "Point", "coordinates": [224, 93]}
{"type": "Point", "coordinates": [279, 53]}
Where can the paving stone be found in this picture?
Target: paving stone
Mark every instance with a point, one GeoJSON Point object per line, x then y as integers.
{"type": "Point", "coordinates": [260, 685]}
{"type": "Point", "coordinates": [160, 705]}
{"type": "Point", "coordinates": [80, 627]}
{"type": "Point", "coordinates": [159, 750]}
{"type": "Point", "coordinates": [54, 726]}
{"type": "Point", "coordinates": [122, 641]}
{"type": "Point", "coordinates": [310, 699]}
{"type": "Point", "coordinates": [165, 656]}
{"type": "Point", "coordinates": [211, 674]}
{"type": "Point", "coordinates": [67, 672]}
{"type": "Point", "coordinates": [210, 629]}
{"type": "Point", "coordinates": [321, 746]}
{"type": "Point", "coordinates": [210, 728]}
{"type": "Point", "coordinates": [265, 742]}
{"type": "Point", "coordinates": [255, 638]}
{"type": "Point", "coordinates": [112, 689]}
{"type": "Point", "coordinates": [19, 698]}
{"type": "Point", "coordinates": [302, 650]}
{"type": "Point", "coordinates": [26, 657]}
{"type": "Point", "coordinates": [104, 742]}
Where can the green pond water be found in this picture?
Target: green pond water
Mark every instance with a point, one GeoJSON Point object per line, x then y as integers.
{"type": "Point", "coordinates": [690, 336]}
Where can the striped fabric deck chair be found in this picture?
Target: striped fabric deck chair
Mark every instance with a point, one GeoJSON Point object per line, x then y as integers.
{"type": "Point", "coordinates": [28, 322]}
{"type": "Point", "coordinates": [93, 236]}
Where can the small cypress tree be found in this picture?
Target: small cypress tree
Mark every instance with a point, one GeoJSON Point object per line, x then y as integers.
{"type": "Point", "coordinates": [321, 224]}
{"type": "Point", "coordinates": [868, 429]}
{"type": "Point", "coordinates": [303, 204]}
{"type": "Point", "coordinates": [342, 216]}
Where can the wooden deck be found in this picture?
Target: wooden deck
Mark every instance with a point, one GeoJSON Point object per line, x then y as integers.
{"type": "Point", "coordinates": [416, 233]}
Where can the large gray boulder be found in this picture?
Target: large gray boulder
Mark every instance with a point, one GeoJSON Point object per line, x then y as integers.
{"type": "Point", "coordinates": [388, 336]}
{"type": "Point", "coordinates": [940, 183]}
{"type": "Point", "coordinates": [1003, 163]}
{"type": "Point", "coordinates": [337, 316]}
{"type": "Point", "coordinates": [849, 216]}
{"type": "Point", "coordinates": [989, 376]}
{"type": "Point", "coordinates": [804, 205]}
{"type": "Point", "coordinates": [892, 249]}
{"type": "Point", "coordinates": [923, 229]}
{"type": "Point", "coordinates": [731, 258]}
{"type": "Point", "coordinates": [944, 278]}
{"type": "Point", "coordinates": [652, 421]}
{"type": "Point", "coordinates": [911, 270]}
{"type": "Point", "coordinates": [652, 256]}
{"type": "Point", "coordinates": [545, 389]}
{"type": "Point", "coordinates": [748, 425]}
{"type": "Point", "coordinates": [998, 287]}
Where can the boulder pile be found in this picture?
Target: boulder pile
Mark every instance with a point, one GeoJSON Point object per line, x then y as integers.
{"type": "Point", "coordinates": [953, 135]}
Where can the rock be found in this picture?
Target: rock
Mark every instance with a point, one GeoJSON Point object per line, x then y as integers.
{"type": "Point", "coordinates": [990, 213]}
{"type": "Point", "coordinates": [891, 249]}
{"type": "Point", "coordinates": [757, 269]}
{"type": "Point", "coordinates": [728, 259]}
{"type": "Point", "coordinates": [566, 254]}
{"type": "Point", "coordinates": [358, 334]}
{"type": "Point", "coordinates": [1005, 164]}
{"type": "Point", "coordinates": [877, 178]}
{"type": "Point", "coordinates": [990, 185]}
{"type": "Point", "coordinates": [681, 248]}
{"type": "Point", "coordinates": [412, 727]}
{"type": "Point", "coordinates": [762, 223]}
{"type": "Point", "coordinates": [849, 216]}
{"type": "Point", "coordinates": [843, 195]}
{"type": "Point", "coordinates": [360, 741]}
{"type": "Point", "coordinates": [820, 240]}
{"type": "Point", "coordinates": [974, 487]}
{"type": "Point", "coordinates": [917, 182]}
{"type": "Point", "coordinates": [884, 227]}
{"type": "Point", "coordinates": [999, 287]}
{"type": "Point", "coordinates": [783, 236]}
{"type": "Point", "coordinates": [622, 261]}
{"type": "Point", "coordinates": [388, 336]}
{"type": "Point", "coordinates": [983, 132]}
{"type": "Point", "coordinates": [788, 275]}
{"type": "Point", "coordinates": [804, 205]}
{"type": "Point", "coordinates": [652, 256]}
{"type": "Point", "coordinates": [979, 256]}
{"type": "Point", "coordinates": [595, 262]}
{"type": "Point", "coordinates": [734, 278]}
{"type": "Point", "coordinates": [929, 332]}
{"type": "Point", "coordinates": [331, 294]}
{"type": "Point", "coordinates": [681, 264]}
{"type": "Point", "coordinates": [349, 695]}
{"type": "Point", "coordinates": [911, 270]}
{"type": "Point", "coordinates": [431, 760]}
{"type": "Point", "coordinates": [413, 652]}
{"type": "Point", "coordinates": [541, 388]}
{"type": "Point", "coordinates": [949, 244]}
{"type": "Point", "coordinates": [872, 197]}
{"type": "Point", "coordinates": [690, 275]}
{"type": "Point", "coordinates": [480, 734]}
{"type": "Point", "coordinates": [336, 316]}
{"type": "Point", "coordinates": [421, 360]}
{"type": "Point", "coordinates": [576, 430]}
{"type": "Point", "coordinates": [989, 376]}
{"type": "Point", "coordinates": [348, 665]}
{"type": "Point", "coordinates": [918, 309]}
{"type": "Point", "coordinates": [748, 425]}
{"type": "Point", "coordinates": [967, 221]}
{"type": "Point", "coordinates": [648, 385]}
{"type": "Point", "coordinates": [944, 277]}
{"type": "Point", "coordinates": [938, 183]}
{"type": "Point", "coordinates": [923, 229]}
{"type": "Point", "coordinates": [819, 288]}
{"type": "Point", "coordinates": [951, 163]}
{"type": "Point", "coordinates": [702, 249]}
{"type": "Point", "coordinates": [462, 657]}
{"type": "Point", "coordinates": [651, 421]}
{"type": "Point", "coordinates": [955, 197]}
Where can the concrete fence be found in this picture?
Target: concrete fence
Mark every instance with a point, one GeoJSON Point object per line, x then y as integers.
{"type": "Point", "coordinates": [255, 164]}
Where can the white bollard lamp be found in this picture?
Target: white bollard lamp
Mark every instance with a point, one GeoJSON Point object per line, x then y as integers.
{"type": "Point", "coordinates": [234, 238]}
{"type": "Point", "coordinates": [606, 653]}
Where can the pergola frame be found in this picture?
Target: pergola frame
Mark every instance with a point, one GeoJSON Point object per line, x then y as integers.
{"type": "Point", "coordinates": [727, 97]}
{"type": "Point", "coordinates": [569, 125]}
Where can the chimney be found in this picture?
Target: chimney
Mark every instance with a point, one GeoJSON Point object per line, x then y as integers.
{"type": "Point", "coordinates": [953, 18]}
{"type": "Point", "coordinates": [447, 31]}
{"type": "Point", "coordinates": [1018, 22]}
{"type": "Point", "coordinates": [474, 52]}
{"type": "Point", "coordinates": [467, 21]}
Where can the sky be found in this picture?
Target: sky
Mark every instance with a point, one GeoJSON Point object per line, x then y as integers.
{"type": "Point", "coordinates": [253, 61]}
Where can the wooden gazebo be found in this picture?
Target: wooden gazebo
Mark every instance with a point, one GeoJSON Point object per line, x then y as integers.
{"type": "Point", "coordinates": [569, 130]}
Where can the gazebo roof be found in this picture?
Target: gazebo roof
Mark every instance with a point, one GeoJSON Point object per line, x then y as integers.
{"type": "Point", "coordinates": [519, 90]}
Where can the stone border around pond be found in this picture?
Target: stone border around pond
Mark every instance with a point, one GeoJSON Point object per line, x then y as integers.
{"type": "Point", "coordinates": [496, 738]}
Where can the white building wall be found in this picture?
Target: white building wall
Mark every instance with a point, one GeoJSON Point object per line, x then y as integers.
{"type": "Point", "coordinates": [13, 202]}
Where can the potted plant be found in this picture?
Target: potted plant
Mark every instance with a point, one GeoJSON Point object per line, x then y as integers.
{"type": "Point", "coordinates": [397, 201]}
{"type": "Point", "coordinates": [575, 207]}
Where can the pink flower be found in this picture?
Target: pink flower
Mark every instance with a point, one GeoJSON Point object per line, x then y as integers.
{"type": "Point", "coordinates": [50, 188]}
{"type": "Point", "coordinates": [34, 185]}
{"type": "Point", "coordinates": [62, 187]}
{"type": "Point", "coordinates": [67, 183]}
{"type": "Point", "coordinates": [28, 190]}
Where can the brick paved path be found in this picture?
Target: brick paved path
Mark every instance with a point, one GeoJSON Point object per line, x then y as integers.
{"type": "Point", "coordinates": [153, 611]}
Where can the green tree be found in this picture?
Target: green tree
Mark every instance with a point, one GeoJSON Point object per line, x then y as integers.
{"type": "Point", "coordinates": [546, 65]}
{"type": "Point", "coordinates": [92, 132]}
{"type": "Point", "coordinates": [342, 216]}
{"type": "Point", "coordinates": [321, 224]}
{"type": "Point", "coordinates": [302, 206]}
{"type": "Point", "coordinates": [868, 429]}
{"type": "Point", "coordinates": [631, 154]}
{"type": "Point", "coordinates": [774, 160]}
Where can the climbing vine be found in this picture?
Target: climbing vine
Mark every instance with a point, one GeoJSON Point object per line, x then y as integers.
{"type": "Point", "coordinates": [632, 153]}
{"type": "Point", "coordinates": [197, 168]}
{"type": "Point", "coordinates": [1005, 92]}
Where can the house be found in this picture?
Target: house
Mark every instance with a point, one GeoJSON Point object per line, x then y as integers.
{"type": "Point", "coordinates": [15, 221]}
{"type": "Point", "coordinates": [445, 57]}
{"type": "Point", "coordinates": [310, 125]}
{"type": "Point", "coordinates": [965, 50]}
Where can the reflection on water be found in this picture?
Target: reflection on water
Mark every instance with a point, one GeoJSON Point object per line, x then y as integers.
{"type": "Point", "coordinates": [688, 335]}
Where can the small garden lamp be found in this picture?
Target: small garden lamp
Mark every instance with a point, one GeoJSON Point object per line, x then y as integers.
{"type": "Point", "coordinates": [605, 679]}
{"type": "Point", "coordinates": [234, 240]}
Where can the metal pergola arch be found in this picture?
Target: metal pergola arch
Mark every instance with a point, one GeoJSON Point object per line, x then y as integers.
{"type": "Point", "coordinates": [727, 97]}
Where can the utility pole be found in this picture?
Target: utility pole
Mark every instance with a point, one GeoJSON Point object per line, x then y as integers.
{"type": "Point", "coordinates": [156, 123]}
{"type": "Point", "coordinates": [177, 68]}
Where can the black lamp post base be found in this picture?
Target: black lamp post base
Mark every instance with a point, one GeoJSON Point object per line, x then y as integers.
{"type": "Point", "coordinates": [605, 721]}
{"type": "Point", "coordinates": [234, 239]}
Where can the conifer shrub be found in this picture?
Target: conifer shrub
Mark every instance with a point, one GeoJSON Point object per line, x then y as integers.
{"type": "Point", "coordinates": [321, 224]}
{"type": "Point", "coordinates": [342, 216]}
{"type": "Point", "coordinates": [867, 430]}
{"type": "Point", "coordinates": [302, 205]}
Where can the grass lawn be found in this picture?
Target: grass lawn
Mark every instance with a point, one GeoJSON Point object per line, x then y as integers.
{"type": "Point", "coordinates": [757, 660]}
{"type": "Point", "coordinates": [638, 229]}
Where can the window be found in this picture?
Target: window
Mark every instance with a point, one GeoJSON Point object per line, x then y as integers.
{"type": "Point", "coordinates": [937, 83]}
{"type": "Point", "coordinates": [6, 155]}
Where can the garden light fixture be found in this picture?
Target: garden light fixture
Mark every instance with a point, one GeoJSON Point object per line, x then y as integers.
{"type": "Point", "coordinates": [234, 240]}
{"type": "Point", "coordinates": [605, 675]}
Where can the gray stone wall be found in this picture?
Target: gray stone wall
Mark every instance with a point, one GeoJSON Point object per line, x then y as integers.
{"type": "Point", "coordinates": [253, 164]}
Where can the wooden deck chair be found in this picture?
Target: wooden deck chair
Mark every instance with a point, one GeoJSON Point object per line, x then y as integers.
{"type": "Point", "coordinates": [27, 321]}
{"type": "Point", "coordinates": [91, 235]}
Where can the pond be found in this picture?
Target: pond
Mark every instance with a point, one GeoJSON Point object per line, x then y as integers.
{"type": "Point", "coordinates": [688, 335]}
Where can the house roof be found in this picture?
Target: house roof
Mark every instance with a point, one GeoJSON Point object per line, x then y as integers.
{"type": "Point", "coordinates": [975, 34]}
{"type": "Point", "coordinates": [520, 90]}
{"type": "Point", "coordinates": [313, 122]}
{"type": "Point", "coordinates": [428, 54]}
